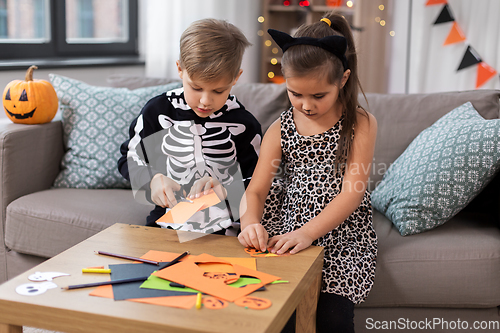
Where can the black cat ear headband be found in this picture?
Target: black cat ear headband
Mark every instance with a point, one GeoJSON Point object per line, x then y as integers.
{"type": "Point", "coordinates": [333, 44]}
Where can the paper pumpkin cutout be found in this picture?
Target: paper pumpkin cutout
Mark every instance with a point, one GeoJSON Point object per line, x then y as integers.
{"type": "Point", "coordinates": [214, 303]}
{"type": "Point", "coordinates": [258, 253]}
{"type": "Point", "coordinates": [255, 303]}
{"type": "Point", "coordinates": [190, 275]}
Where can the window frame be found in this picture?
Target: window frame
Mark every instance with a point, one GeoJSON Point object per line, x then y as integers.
{"type": "Point", "coordinates": [57, 47]}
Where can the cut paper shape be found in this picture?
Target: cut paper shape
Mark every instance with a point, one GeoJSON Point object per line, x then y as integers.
{"type": "Point", "coordinates": [470, 58]}
{"type": "Point", "coordinates": [163, 256]}
{"type": "Point", "coordinates": [181, 212]}
{"type": "Point", "coordinates": [214, 303]}
{"type": "Point", "coordinates": [255, 303]}
{"type": "Point", "coordinates": [436, 2]}
{"type": "Point", "coordinates": [190, 275]}
{"type": "Point", "coordinates": [182, 302]}
{"type": "Point", "coordinates": [45, 276]}
{"type": "Point", "coordinates": [228, 278]}
{"type": "Point", "coordinates": [456, 35]}
{"type": "Point", "coordinates": [484, 73]}
{"type": "Point", "coordinates": [154, 282]}
{"type": "Point", "coordinates": [444, 16]}
{"type": "Point", "coordinates": [258, 253]}
{"type": "Point", "coordinates": [131, 290]}
{"type": "Point", "coordinates": [34, 289]}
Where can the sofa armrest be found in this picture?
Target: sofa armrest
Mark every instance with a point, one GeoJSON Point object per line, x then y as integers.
{"type": "Point", "coordinates": [30, 157]}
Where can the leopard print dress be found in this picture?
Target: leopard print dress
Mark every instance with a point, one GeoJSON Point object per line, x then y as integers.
{"type": "Point", "coordinates": [309, 183]}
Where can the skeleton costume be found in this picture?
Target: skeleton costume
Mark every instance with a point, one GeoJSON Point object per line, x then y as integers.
{"type": "Point", "coordinates": [169, 138]}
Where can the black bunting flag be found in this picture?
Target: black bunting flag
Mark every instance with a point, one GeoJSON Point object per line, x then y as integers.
{"type": "Point", "coordinates": [445, 15]}
{"type": "Point", "coordinates": [470, 58]}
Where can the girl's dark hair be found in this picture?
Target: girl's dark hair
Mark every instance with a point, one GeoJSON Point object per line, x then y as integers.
{"type": "Point", "coordinates": [302, 60]}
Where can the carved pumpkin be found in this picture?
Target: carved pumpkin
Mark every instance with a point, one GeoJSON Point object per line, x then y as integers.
{"type": "Point", "coordinates": [30, 101]}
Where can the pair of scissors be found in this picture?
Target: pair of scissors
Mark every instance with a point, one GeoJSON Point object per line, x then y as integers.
{"type": "Point", "coordinates": [180, 196]}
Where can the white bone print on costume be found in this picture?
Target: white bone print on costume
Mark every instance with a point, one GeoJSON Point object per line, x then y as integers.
{"type": "Point", "coordinates": [194, 150]}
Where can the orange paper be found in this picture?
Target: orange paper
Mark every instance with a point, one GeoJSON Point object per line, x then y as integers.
{"type": "Point", "coordinates": [181, 212]}
{"type": "Point", "coordinates": [436, 2]}
{"type": "Point", "coordinates": [456, 35]}
{"type": "Point", "coordinates": [162, 256]}
{"type": "Point", "coordinates": [484, 73]}
{"type": "Point", "coordinates": [189, 274]}
{"type": "Point", "coordinates": [182, 302]}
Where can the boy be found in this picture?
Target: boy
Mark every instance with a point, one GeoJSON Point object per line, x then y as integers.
{"type": "Point", "coordinates": [189, 140]}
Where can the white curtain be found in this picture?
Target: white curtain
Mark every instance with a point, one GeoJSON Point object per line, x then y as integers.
{"type": "Point", "coordinates": [167, 19]}
{"type": "Point", "coordinates": [432, 67]}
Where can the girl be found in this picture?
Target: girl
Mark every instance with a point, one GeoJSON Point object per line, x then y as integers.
{"type": "Point", "coordinates": [325, 144]}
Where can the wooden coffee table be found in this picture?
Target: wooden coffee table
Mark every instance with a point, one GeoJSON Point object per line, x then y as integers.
{"type": "Point", "coordinates": [76, 311]}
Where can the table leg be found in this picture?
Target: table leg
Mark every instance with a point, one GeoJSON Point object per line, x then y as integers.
{"type": "Point", "coordinates": [6, 328]}
{"type": "Point", "coordinates": [306, 310]}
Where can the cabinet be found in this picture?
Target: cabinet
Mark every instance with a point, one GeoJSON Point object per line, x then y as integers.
{"type": "Point", "coordinates": [287, 16]}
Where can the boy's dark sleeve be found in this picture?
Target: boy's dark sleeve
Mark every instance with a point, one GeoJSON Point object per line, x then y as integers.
{"type": "Point", "coordinates": [248, 146]}
{"type": "Point", "coordinates": [134, 164]}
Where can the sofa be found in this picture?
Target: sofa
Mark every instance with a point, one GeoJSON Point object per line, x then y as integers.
{"type": "Point", "coordinates": [439, 279]}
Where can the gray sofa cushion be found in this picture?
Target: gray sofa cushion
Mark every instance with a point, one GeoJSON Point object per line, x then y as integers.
{"type": "Point", "coordinates": [454, 265]}
{"type": "Point", "coordinates": [402, 117]}
{"type": "Point", "coordinates": [48, 222]}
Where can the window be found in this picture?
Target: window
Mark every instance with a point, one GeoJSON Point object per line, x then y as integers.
{"type": "Point", "coordinates": [33, 29]}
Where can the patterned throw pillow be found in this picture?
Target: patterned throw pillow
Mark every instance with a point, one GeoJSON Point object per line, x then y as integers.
{"type": "Point", "coordinates": [95, 123]}
{"type": "Point", "coordinates": [440, 172]}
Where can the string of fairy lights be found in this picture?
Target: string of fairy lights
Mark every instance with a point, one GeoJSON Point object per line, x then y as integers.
{"type": "Point", "coordinates": [274, 59]}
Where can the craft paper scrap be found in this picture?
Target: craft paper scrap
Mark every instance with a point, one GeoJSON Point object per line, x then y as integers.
{"type": "Point", "coordinates": [131, 290]}
{"type": "Point", "coordinates": [208, 267]}
{"type": "Point", "coordinates": [181, 212]}
{"type": "Point", "coordinates": [190, 275]}
{"type": "Point", "coordinates": [182, 302]}
{"type": "Point", "coordinates": [258, 253]}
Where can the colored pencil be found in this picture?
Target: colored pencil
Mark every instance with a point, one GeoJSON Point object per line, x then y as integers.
{"type": "Point", "coordinates": [152, 262]}
{"type": "Point", "coordinates": [104, 283]}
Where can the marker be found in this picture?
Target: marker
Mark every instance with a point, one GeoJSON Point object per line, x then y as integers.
{"type": "Point", "coordinates": [198, 301]}
{"type": "Point", "coordinates": [176, 260]}
{"type": "Point", "coordinates": [96, 270]}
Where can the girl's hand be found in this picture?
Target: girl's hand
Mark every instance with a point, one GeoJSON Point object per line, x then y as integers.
{"type": "Point", "coordinates": [254, 235]}
{"type": "Point", "coordinates": [296, 240]}
{"type": "Point", "coordinates": [162, 191]}
{"type": "Point", "coordinates": [202, 187]}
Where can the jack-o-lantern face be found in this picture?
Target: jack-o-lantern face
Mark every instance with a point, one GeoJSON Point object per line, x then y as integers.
{"type": "Point", "coordinates": [30, 101]}
{"type": "Point", "coordinates": [20, 107]}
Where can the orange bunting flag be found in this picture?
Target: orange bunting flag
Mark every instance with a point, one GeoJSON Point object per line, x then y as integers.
{"type": "Point", "coordinates": [456, 35]}
{"type": "Point", "coordinates": [436, 2]}
{"type": "Point", "coordinates": [484, 73]}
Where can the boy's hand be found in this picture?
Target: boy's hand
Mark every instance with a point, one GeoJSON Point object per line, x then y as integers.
{"type": "Point", "coordinates": [296, 240]}
{"type": "Point", "coordinates": [254, 235]}
{"type": "Point", "coordinates": [162, 191]}
{"type": "Point", "coordinates": [202, 187]}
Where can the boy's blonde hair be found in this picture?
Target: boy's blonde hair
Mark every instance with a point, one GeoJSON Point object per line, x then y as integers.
{"type": "Point", "coordinates": [212, 49]}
